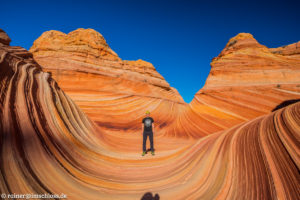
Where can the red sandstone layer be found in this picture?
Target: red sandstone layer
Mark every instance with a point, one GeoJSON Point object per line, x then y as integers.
{"type": "Point", "coordinates": [49, 146]}
{"type": "Point", "coordinates": [247, 80]}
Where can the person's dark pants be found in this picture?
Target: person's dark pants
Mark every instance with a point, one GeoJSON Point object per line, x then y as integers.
{"type": "Point", "coordinates": [150, 135]}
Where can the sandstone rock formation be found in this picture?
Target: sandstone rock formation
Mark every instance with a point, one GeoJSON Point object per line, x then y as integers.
{"type": "Point", "coordinates": [48, 145]}
{"type": "Point", "coordinates": [246, 80]}
{"type": "Point", "coordinates": [288, 50]}
{"type": "Point", "coordinates": [86, 51]}
{"type": "Point", "coordinates": [246, 62]}
{"type": "Point", "coordinates": [4, 39]}
{"type": "Point", "coordinates": [112, 92]}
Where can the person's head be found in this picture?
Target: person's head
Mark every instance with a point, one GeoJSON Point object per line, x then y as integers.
{"type": "Point", "coordinates": [147, 113]}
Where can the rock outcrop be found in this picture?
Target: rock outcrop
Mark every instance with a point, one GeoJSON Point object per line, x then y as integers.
{"type": "Point", "coordinates": [246, 62]}
{"type": "Point", "coordinates": [4, 39]}
{"type": "Point", "coordinates": [288, 50]}
{"type": "Point", "coordinates": [49, 146]}
{"type": "Point", "coordinates": [112, 92]}
{"type": "Point", "coordinates": [246, 80]}
{"type": "Point", "coordinates": [86, 51]}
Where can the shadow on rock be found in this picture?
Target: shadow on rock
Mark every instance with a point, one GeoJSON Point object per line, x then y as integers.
{"type": "Point", "coordinates": [285, 103]}
{"type": "Point", "coordinates": [149, 196]}
{"type": "Point", "coordinates": [149, 150]}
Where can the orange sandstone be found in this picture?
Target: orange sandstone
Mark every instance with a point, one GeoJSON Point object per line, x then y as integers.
{"type": "Point", "coordinates": [247, 80]}
{"type": "Point", "coordinates": [47, 142]}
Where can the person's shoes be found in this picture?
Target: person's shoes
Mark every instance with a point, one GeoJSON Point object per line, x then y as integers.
{"type": "Point", "coordinates": [152, 152]}
{"type": "Point", "coordinates": [143, 153]}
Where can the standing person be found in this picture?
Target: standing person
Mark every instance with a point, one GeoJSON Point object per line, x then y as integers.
{"type": "Point", "coordinates": [148, 128]}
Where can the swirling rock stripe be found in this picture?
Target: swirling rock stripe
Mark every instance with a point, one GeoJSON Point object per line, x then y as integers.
{"type": "Point", "coordinates": [246, 80]}
{"type": "Point", "coordinates": [48, 145]}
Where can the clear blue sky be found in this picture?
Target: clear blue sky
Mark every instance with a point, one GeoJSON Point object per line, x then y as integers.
{"type": "Point", "coordinates": [179, 37]}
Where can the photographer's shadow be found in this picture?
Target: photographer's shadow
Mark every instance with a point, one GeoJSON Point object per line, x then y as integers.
{"type": "Point", "coordinates": [149, 196]}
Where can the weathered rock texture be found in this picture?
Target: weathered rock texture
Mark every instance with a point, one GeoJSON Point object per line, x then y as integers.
{"type": "Point", "coordinates": [112, 92]}
{"type": "Point", "coordinates": [247, 80]}
{"type": "Point", "coordinates": [84, 53]}
{"type": "Point", "coordinates": [244, 62]}
{"type": "Point", "coordinates": [4, 39]}
{"type": "Point", "coordinates": [48, 145]}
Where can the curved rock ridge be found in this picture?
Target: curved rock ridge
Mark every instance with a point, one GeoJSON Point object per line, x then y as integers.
{"type": "Point", "coordinates": [84, 52]}
{"type": "Point", "coordinates": [4, 39]}
{"type": "Point", "coordinates": [288, 50]}
{"type": "Point", "coordinates": [86, 43]}
{"type": "Point", "coordinates": [48, 145]}
{"type": "Point", "coordinates": [112, 92]}
{"type": "Point", "coordinates": [247, 80]}
{"type": "Point", "coordinates": [244, 61]}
